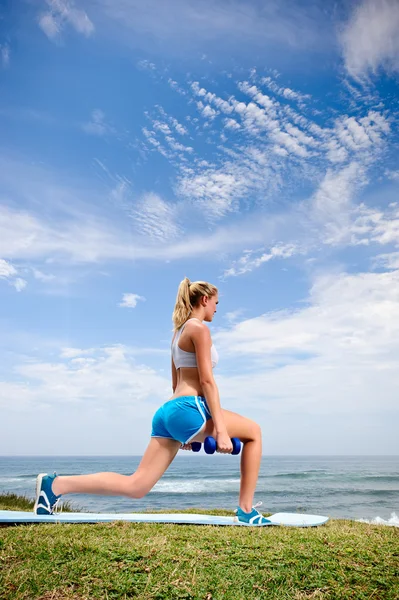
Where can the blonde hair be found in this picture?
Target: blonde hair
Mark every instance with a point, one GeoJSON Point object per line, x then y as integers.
{"type": "Point", "coordinates": [187, 297]}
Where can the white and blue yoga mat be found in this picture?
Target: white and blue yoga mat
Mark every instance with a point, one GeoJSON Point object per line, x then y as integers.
{"type": "Point", "coordinates": [287, 519]}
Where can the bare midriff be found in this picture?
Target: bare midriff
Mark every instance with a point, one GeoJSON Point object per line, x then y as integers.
{"type": "Point", "coordinates": [188, 383]}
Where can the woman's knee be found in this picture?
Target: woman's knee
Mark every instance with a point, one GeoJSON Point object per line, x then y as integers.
{"type": "Point", "coordinates": [137, 489]}
{"type": "Point", "coordinates": [242, 427]}
{"type": "Point", "coordinates": [254, 431]}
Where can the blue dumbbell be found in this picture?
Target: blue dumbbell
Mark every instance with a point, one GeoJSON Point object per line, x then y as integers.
{"type": "Point", "coordinates": [195, 446]}
{"type": "Point", "coordinates": [210, 445]}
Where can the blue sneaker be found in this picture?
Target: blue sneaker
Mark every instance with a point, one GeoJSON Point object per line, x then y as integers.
{"type": "Point", "coordinates": [46, 500]}
{"type": "Point", "coordinates": [252, 518]}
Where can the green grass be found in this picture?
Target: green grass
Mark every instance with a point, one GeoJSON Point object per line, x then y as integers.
{"type": "Point", "coordinates": [342, 559]}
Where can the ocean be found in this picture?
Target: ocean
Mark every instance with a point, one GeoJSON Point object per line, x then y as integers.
{"type": "Point", "coordinates": [350, 487]}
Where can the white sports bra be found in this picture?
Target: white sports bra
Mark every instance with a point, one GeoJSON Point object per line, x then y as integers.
{"type": "Point", "coordinates": [182, 358]}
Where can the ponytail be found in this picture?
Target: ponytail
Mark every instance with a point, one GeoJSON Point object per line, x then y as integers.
{"type": "Point", "coordinates": [187, 297]}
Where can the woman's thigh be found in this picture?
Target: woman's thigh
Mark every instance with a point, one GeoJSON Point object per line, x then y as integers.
{"type": "Point", "coordinates": [237, 426]}
{"type": "Point", "coordinates": [156, 459]}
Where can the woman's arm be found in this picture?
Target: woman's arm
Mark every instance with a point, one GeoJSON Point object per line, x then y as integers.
{"type": "Point", "coordinates": [174, 377]}
{"type": "Point", "coordinates": [202, 341]}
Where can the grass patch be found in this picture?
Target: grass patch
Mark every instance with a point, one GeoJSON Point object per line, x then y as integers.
{"type": "Point", "coordinates": [13, 502]}
{"type": "Point", "coordinates": [337, 561]}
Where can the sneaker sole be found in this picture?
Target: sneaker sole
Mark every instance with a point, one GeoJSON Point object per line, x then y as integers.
{"type": "Point", "coordinates": [39, 480]}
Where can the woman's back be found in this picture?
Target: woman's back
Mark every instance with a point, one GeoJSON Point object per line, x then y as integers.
{"type": "Point", "coordinates": [192, 339]}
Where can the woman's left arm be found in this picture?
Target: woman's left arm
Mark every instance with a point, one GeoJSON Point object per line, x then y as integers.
{"type": "Point", "coordinates": [174, 377]}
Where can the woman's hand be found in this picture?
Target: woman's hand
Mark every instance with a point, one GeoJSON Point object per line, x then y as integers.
{"type": "Point", "coordinates": [223, 443]}
{"type": "Point", "coordinates": [186, 447]}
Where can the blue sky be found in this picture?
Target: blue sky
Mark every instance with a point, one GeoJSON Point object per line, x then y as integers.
{"type": "Point", "coordinates": [253, 145]}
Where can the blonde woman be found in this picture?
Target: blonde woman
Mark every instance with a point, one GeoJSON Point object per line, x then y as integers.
{"type": "Point", "coordinates": [190, 415]}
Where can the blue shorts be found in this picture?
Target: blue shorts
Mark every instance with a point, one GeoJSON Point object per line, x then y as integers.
{"type": "Point", "coordinates": [181, 418]}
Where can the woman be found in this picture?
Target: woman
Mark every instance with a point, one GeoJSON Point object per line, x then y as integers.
{"type": "Point", "coordinates": [190, 415]}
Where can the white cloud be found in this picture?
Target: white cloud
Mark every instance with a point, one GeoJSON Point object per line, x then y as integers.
{"type": "Point", "coordinates": [162, 127]}
{"type": "Point", "coordinates": [155, 218]}
{"type": "Point", "coordinates": [97, 124]}
{"type": "Point", "coordinates": [233, 315]}
{"type": "Point", "coordinates": [75, 352]}
{"type": "Point", "coordinates": [26, 236]}
{"type": "Point", "coordinates": [387, 261]}
{"type": "Point", "coordinates": [151, 139]}
{"type": "Point", "coordinates": [50, 25]}
{"type": "Point", "coordinates": [248, 262]}
{"type": "Point", "coordinates": [43, 277]}
{"type": "Point", "coordinates": [378, 226]}
{"type": "Point", "coordinates": [284, 91]}
{"type": "Point", "coordinates": [335, 152]}
{"type": "Point", "coordinates": [166, 129]}
{"type": "Point", "coordinates": [362, 133]}
{"type": "Point", "coordinates": [231, 124]}
{"type": "Point", "coordinates": [178, 126]}
{"type": "Point", "coordinates": [216, 190]}
{"type": "Point", "coordinates": [177, 146]}
{"type": "Point", "coordinates": [146, 64]}
{"type": "Point", "coordinates": [208, 112]}
{"type": "Point", "coordinates": [179, 28]}
{"type": "Point", "coordinates": [95, 378]}
{"type": "Point", "coordinates": [19, 284]}
{"type": "Point", "coordinates": [8, 271]}
{"type": "Point", "coordinates": [338, 354]}
{"type": "Point", "coordinates": [332, 202]}
{"type": "Point", "coordinates": [130, 300]}
{"type": "Point", "coordinates": [62, 13]}
{"type": "Point", "coordinates": [283, 144]}
{"type": "Point", "coordinates": [262, 99]}
{"type": "Point", "coordinates": [370, 39]}
{"type": "Point", "coordinates": [392, 174]}
{"type": "Point", "coordinates": [5, 55]}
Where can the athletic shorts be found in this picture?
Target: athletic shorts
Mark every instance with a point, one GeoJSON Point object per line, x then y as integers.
{"type": "Point", "coordinates": [181, 419]}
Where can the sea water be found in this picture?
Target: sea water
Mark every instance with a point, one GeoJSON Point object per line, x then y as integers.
{"type": "Point", "coordinates": [350, 487]}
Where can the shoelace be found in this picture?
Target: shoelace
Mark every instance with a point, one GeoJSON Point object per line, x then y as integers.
{"type": "Point", "coordinates": [57, 508]}
{"type": "Point", "coordinates": [254, 507]}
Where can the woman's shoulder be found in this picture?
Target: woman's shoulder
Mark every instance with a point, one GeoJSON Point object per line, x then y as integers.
{"type": "Point", "coordinates": [195, 324]}
{"type": "Point", "coordinates": [198, 331]}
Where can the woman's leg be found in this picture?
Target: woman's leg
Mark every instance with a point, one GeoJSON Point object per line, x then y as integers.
{"type": "Point", "coordinates": [157, 458]}
{"type": "Point", "coordinates": [250, 434]}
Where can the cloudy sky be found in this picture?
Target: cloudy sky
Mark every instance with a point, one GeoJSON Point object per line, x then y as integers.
{"type": "Point", "coordinates": [250, 144]}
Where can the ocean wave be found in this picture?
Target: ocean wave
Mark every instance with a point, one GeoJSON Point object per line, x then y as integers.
{"type": "Point", "coordinates": [300, 475]}
{"type": "Point", "coordinates": [379, 478]}
{"type": "Point", "coordinates": [392, 522]}
{"type": "Point", "coordinates": [196, 486]}
{"type": "Point", "coordinates": [228, 485]}
{"type": "Point", "coordinates": [16, 479]}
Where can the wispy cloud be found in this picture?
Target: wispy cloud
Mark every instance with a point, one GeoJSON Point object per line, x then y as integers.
{"type": "Point", "coordinates": [286, 92]}
{"type": "Point", "coordinates": [370, 39]}
{"type": "Point", "coordinates": [9, 272]}
{"type": "Point", "coordinates": [97, 125]}
{"type": "Point", "coordinates": [82, 235]}
{"type": "Point", "coordinates": [156, 219]}
{"type": "Point", "coordinates": [61, 13]}
{"type": "Point", "coordinates": [248, 262]}
{"type": "Point", "coordinates": [179, 25]}
{"type": "Point", "coordinates": [146, 65]}
{"type": "Point", "coordinates": [5, 55]}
